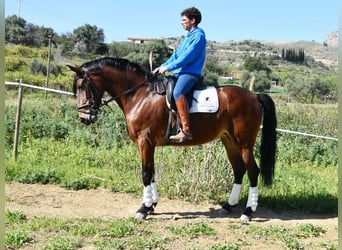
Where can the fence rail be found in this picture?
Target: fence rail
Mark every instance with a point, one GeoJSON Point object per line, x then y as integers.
{"type": "Point", "coordinates": [69, 93]}
{"type": "Point", "coordinates": [306, 134]}
{"type": "Point", "coordinates": [38, 87]}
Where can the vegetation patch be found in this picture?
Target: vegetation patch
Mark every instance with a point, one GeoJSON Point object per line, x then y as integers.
{"type": "Point", "coordinates": [129, 233]}
{"type": "Point", "coordinates": [86, 157]}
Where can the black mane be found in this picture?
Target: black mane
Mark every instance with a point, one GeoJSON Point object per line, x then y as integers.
{"type": "Point", "coordinates": [117, 63]}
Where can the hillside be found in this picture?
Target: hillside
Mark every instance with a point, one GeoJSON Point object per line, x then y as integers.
{"type": "Point", "coordinates": [234, 52]}
{"type": "Point", "coordinates": [328, 55]}
{"type": "Point", "coordinates": [331, 40]}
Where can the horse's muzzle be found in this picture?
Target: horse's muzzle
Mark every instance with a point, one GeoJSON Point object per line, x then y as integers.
{"type": "Point", "coordinates": [88, 118]}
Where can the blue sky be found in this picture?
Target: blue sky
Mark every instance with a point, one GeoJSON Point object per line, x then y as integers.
{"type": "Point", "coordinates": [222, 20]}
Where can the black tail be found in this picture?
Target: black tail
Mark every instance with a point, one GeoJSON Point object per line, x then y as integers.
{"type": "Point", "coordinates": [268, 139]}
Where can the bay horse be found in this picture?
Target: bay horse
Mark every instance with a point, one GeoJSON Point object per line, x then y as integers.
{"type": "Point", "coordinates": [236, 123]}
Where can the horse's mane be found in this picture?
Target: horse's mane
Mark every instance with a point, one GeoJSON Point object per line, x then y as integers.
{"type": "Point", "coordinates": [155, 83]}
{"type": "Point", "coordinates": [117, 63]}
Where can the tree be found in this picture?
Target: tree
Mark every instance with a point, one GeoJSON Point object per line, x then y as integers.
{"type": "Point", "coordinates": [292, 55]}
{"type": "Point", "coordinates": [15, 30]}
{"type": "Point", "coordinates": [257, 68]}
{"type": "Point", "coordinates": [317, 89]}
{"type": "Point", "coordinates": [212, 65]}
{"type": "Point", "coordinates": [120, 49]}
{"type": "Point", "coordinates": [32, 35]}
{"type": "Point", "coordinates": [89, 38]}
{"type": "Point", "coordinates": [307, 88]}
{"type": "Point", "coordinates": [262, 81]}
{"type": "Point", "coordinates": [255, 64]}
{"type": "Point", "coordinates": [297, 87]}
{"type": "Point", "coordinates": [66, 44]}
{"type": "Point", "coordinates": [38, 36]}
{"type": "Point", "coordinates": [210, 78]}
{"type": "Point", "coordinates": [331, 82]}
{"type": "Point", "coordinates": [18, 31]}
{"type": "Point", "coordinates": [141, 53]}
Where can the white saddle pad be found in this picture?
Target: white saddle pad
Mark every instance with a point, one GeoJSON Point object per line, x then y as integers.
{"type": "Point", "coordinates": [205, 101]}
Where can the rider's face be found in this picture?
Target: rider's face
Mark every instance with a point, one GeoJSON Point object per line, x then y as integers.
{"type": "Point", "coordinates": [187, 24]}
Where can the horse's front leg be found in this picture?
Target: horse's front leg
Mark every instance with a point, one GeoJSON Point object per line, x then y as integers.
{"type": "Point", "coordinates": [150, 193]}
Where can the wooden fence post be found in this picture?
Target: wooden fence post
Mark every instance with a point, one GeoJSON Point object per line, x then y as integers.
{"type": "Point", "coordinates": [17, 122]}
{"type": "Point", "coordinates": [251, 84]}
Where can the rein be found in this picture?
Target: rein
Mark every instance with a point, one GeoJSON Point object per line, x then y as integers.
{"type": "Point", "coordinates": [105, 102]}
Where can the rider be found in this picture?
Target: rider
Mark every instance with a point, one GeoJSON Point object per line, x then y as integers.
{"type": "Point", "coordinates": [187, 63]}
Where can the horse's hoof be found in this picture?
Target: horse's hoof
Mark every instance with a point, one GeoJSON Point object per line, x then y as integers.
{"type": "Point", "coordinates": [224, 212]}
{"type": "Point", "coordinates": [226, 209]}
{"type": "Point", "coordinates": [140, 216]}
{"type": "Point", "coordinates": [247, 215]}
{"type": "Point", "coordinates": [245, 218]}
{"type": "Point", "coordinates": [150, 210]}
{"type": "Point", "coordinates": [143, 211]}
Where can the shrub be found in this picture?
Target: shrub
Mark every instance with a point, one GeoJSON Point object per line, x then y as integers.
{"type": "Point", "coordinates": [14, 63]}
{"type": "Point", "coordinates": [312, 119]}
{"type": "Point", "coordinates": [20, 51]}
{"type": "Point", "coordinates": [37, 67]}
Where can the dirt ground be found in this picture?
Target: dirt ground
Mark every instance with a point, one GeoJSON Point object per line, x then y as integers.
{"type": "Point", "coordinates": [54, 201]}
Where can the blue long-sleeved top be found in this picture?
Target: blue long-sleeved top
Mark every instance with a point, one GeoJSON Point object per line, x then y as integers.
{"type": "Point", "coordinates": [189, 57]}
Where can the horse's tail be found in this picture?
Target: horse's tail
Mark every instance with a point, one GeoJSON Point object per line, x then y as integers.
{"type": "Point", "coordinates": [268, 139]}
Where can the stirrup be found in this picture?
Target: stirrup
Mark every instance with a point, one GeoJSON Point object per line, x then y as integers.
{"type": "Point", "coordinates": [178, 138]}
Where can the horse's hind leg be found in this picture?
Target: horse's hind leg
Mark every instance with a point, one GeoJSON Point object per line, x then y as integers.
{"type": "Point", "coordinates": [234, 156]}
{"type": "Point", "coordinates": [242, 160]}
{"type": "Point", "coordinates": [253, 174]}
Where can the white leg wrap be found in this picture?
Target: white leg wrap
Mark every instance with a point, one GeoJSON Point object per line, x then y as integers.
{"type": "Point", "coordinates": [147, 200]}
{"type": "Point", "coordinates": [155, 195]}
{"type": "Point", "coordinates": [234, 194]}
{"type": "Point", "coordinates": [253, 198]}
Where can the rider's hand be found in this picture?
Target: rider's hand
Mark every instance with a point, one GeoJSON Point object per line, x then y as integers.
{"type": "Point", "coordinates": [160, 70]}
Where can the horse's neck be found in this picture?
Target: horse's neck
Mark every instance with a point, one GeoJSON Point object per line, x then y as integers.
{"type": "Point", "coordinates": [130, 98]}
{"type": "Point", "coordinates": [117, 83]}
{"type": "Point", "coordinates": [125, 87]}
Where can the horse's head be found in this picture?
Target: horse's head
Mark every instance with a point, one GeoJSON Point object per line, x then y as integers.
{"type": "Point", "coordinates": [88, 96]}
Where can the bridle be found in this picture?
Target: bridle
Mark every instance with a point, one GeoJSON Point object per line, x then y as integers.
{"type": "Point", "coordinates": [93, 92]}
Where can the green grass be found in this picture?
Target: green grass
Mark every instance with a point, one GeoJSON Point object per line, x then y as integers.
{"type": "Point", "coordinates": [58, 233]}
{"type": "Point", "coordinates": [296, 187]}
{"type": "Point", "coordinates": [290, 237]}
{"type": "Point", "coordinates": [192, 230]}
{"type": "Point", "coordinates": [307, 188]}
{"type": "Point", "coordinates": [129, 233]}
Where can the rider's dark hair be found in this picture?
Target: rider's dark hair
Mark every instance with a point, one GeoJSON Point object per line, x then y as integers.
{"type": "Point", "coordinates": [192, 13]}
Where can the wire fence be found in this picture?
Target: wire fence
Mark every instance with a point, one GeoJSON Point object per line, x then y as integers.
{"type": "Point", "coordinates": [69, 93]}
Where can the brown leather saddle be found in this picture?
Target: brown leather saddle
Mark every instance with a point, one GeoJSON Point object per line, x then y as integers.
{"type": "Point", "coordinates": [164, 85]}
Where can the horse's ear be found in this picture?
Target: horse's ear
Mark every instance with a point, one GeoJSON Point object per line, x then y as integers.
{"type": "Point", "coordinates": [76, 70]}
